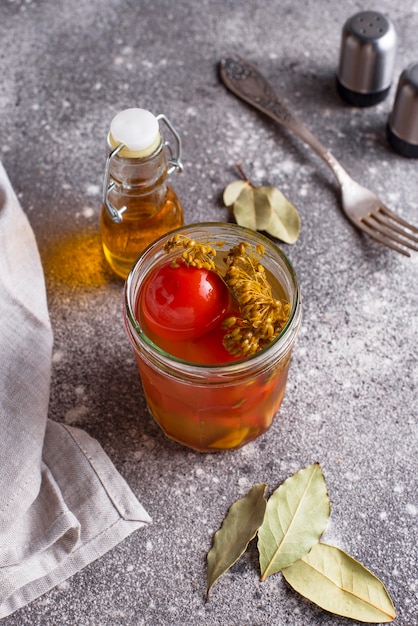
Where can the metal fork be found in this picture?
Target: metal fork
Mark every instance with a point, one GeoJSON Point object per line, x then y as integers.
{"type": "Point", "coordinates": [363, 208]}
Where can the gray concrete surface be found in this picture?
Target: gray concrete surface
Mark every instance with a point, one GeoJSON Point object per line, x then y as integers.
{"type": "Point", "coordinates": [66, 68]}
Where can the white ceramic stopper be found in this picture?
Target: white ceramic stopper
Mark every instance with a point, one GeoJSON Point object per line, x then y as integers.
{"type": "Point", "coordinates": [137, 129]}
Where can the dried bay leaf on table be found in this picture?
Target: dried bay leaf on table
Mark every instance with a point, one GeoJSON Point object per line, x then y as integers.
{"type": "Point", "coordinates": [296, 516]}
{"type": "Point", "coordinates": [240, 525]}
{"type": "Point", "coordinates": [284, 219]}
{"type": "Point", "coordinates": [338, 583]}
{"type": "Point", "coordinates": [243, 207]}
{"type": "Point", "coordinates": [233, 190]}
{"type": "Point", "coordinates": [263, 208]}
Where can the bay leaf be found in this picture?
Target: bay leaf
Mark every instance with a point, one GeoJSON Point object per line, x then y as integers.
{"type": "Point", "coordinates": [244, 208]}
{"type": "Point", "coordinates": [262, 208]}
{"type": "Point", "coordinates": [338, 583]}
{"type": "Point", "coordinates": [296, 516]}
{"type": "Point", "coordinates": [233, 190]}
{"type": "Point", "coordinates": [285, 220]}
{"type": "Point", "coordinates": [240, 525]}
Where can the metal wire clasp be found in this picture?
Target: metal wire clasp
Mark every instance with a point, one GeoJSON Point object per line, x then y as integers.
{"type": "Point", "coordinates": [175, 159]}
{"type": "Point", "coordinates": [109, 184]}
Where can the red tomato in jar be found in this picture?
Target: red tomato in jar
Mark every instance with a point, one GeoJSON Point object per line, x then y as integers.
{"type": "Point", "coordinates": [183, 303]}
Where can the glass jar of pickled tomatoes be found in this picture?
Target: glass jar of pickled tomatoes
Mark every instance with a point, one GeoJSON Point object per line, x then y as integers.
{"type": "Point", "coordinates": [198, 393]}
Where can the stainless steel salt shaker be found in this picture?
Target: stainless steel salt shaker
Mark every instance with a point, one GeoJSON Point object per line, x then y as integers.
{"type": "Point", "coordinates": [402, 126]}
{"type": "Point", "coordinates": [367, 58]}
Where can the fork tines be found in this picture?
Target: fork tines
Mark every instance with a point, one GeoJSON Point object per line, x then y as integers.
{"type": "Point", "coordinates": [390, 229]}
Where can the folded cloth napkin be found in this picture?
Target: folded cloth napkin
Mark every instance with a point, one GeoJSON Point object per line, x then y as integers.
{"type": "Point", "coordinates": [62, 502]}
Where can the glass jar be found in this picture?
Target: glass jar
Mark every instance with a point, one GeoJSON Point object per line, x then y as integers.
{"type": "Point", "coordinates": [213, 407]}
{"type": "Point", "coordinates": [138, 203]}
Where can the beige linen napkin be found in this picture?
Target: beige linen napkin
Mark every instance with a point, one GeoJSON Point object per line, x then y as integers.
{"type": "Point", "coordinates": [62, 502]}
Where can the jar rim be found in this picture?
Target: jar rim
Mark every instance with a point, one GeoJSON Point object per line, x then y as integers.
{"type": "Point", "coordinates": [281, 343]}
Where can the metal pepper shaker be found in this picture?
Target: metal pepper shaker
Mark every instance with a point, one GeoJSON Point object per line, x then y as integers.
{"type": "Point", "coordinates": [367, 58]}
{"type": "Point", "coordinates": [402, 127]}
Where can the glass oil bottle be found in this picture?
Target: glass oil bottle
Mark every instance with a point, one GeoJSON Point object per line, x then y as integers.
{"type": "Point", "coordinates": [138, 204]}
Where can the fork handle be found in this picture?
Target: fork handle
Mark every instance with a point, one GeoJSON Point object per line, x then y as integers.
{"type": "Point", "coordinates": [246, 82]}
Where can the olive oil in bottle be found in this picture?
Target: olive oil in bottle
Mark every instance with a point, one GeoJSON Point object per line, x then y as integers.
{"type": "Point", "coordinates": [138, 203]}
